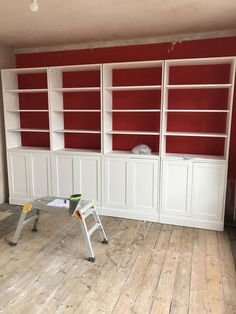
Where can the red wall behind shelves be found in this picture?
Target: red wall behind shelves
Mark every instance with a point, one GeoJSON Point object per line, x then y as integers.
{"type": "Point", "coordinates": [217, 47]}
{"type": "Point", "coordinates": [139, 99]}
{"type": "Point", "coordinates": [200, 74]}
{"type": "Point", "coordinates": [216, 99]}
{"type": "Point", "coordinates": [196, 122]}
{"type": "Point", "coordinates": [195, 145]}
{"type": "Point", "coordinates": [81, 100]}
{"type": "Point", "coordinates": [81, 79]}
{"type": "Point", "coordinates": [128, 142]}
{"type": "Point", "coordinates": [137, 77]}
{"type": "Point", "coordinates": [30, 138]}
{"type": "Point", "coordinates": [83, 141]}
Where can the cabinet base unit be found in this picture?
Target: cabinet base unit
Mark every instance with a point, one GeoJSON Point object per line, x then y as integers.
{"type": "Point", "coordinates": [193, 193]}
{"type": "Point", "coordinates": [131, 188]}
{"type": "Point", "coordinates": [73, 174]}
{"type": "Point", "coordinates": [29, 175]}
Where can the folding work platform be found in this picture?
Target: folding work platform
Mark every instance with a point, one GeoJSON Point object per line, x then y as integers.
{"type": "Point", "coordinates": [83, 210]}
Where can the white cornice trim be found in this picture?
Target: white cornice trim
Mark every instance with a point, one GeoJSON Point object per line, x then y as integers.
{"type": "Point", "coordinates": [129, 42]}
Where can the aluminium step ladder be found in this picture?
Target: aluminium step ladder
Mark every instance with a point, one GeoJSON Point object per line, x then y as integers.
{"type": "Point", "coordinates": [82, 211]}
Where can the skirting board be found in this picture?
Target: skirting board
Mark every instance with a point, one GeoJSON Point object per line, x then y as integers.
{"type": "Point", "coordinates": [179, 221]}
{"type": "Point", "coordinates": [16, 201]}
{"type": "Point", "coordinates": [194, 223]}
{"type": "Point", "coordinates": [2, 200]}
{"type": "Point", "coordinates": [124, 213]}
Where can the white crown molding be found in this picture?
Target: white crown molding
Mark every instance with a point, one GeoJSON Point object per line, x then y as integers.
{"type": "Point", "coordinates": [129, 42]}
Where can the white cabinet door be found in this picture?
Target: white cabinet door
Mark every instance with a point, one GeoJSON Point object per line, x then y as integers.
{"type": "Point", "coordinates": [176, 187]}
{"type": "Point", "coordinates": [40, 175]}
{"type": "Point", "coordinates": [208, 191]}
{"type": "Point", "coordinates": [145, 175]}
{"type": "Point", "coordinates": [62, 175]}
{"type": "Point", "coordinates": [87, 178]}
{"type": "Point", "coordinates": [117, 183]}
{"type": "Point", "coordinates": [19, 185]}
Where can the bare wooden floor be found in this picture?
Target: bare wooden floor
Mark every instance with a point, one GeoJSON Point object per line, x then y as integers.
{"type": "Point", "coordinates": [146, 268]}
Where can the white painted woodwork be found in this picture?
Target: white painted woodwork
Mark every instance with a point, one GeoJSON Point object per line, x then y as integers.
{"type": "Point", "coordinates": [19, 185]}
{"type": "Point", "coordinates": [40, 175]}
{"type": "Point", "coordinates": [29, 175]}
{"type": "Point", "coordinates": [188, 190]}
{"type": "Point", "coordinates": [176, 187]}
{"type": "Point", "coordinates": [62, 175]}
{"type": "Point", "coordinates": [73, 174]}
{"type": "Point", "coordinates": [131, 184]}
{"type": "Point", "coordinates": [208, 191]}
{"type": "Point", "coordinates": [117, 185]}
{"type": "Point", "coordinates": [87, 177]}
{"type": "Point", "coordinates": [145, 175]}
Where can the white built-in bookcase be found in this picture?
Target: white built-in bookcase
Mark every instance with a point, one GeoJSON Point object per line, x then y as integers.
{"type": "Point", "coordinates": [71, 129]}
{"type": "Point", "coordinates": [200, 85]}
{"type": "Point", "coordinates": [113, 83]}
{"type": "Point", "coordinates": [57, 103]}
{"type": "Point", "coordinates": [111, 88]}
{"type": "Point", "coordinates": [11, 93]}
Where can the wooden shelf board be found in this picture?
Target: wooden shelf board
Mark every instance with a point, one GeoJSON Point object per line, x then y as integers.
{"type": "Point", "coordinates": [197, 110]}
{"type": "Point", "coordinates": [28, 110]}
{"type": "Point", "coordinates": [34, 148]}
{"type": "Point", "coordinates": [28, 90]}
{"type": "Point", "coordinates": [132, 132]}
{"type": "Point", "coordinates": [133, 110]}
{"type": "Point", "coordinates": [123, 88]}
{"type": "Point", "coordinates": [77, 110]}
{"type": "Point", "coordinates": [77, 89]}
{"type": "Point", "coordinates": [127, 153]}
{"type": "Point", "coordinates": [193, 156]}
{"type": "Point", "coordinates": [28, 130]}
{"type": "Point", "coordinates": [78, 150]}
{"type": "Point", "coordinates": [195, 134]}
{"type": "Point", "coordinates": [198, 86]}
{"type": "Point", "coordinates": [76, 131]}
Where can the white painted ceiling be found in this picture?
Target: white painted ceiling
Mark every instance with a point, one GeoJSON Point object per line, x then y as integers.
{"type": "Point", "coordinates": [62, 22]}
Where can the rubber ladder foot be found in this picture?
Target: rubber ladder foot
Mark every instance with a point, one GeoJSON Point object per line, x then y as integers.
{"type": "Point", "coordinates": [105, 241]}
{"type": "Point", "coordinates": [12, 243]}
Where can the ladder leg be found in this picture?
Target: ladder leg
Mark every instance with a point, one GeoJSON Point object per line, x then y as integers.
{"type": "Point", "coordinates": [101, 230]}
{"type": "Point", "coordinates": [91, 257]}
{"type": "Point", "coordinates": [18, 229]}
{"type": "Point", "coordinates": [34, 229]}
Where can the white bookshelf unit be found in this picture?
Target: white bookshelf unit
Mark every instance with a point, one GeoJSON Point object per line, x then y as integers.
{"type": "Point", "coordinates": [76, 107]}
{"type": "Point", "coordinates": [132, 105]}
{"type": "Point", "coordinates": [79, 123]}
{"type": "Point", "coordinates": [25, 95]}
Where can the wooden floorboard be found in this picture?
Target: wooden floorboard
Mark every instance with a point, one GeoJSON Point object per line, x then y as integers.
{"type": "Point", "coordinates": [146, 268]}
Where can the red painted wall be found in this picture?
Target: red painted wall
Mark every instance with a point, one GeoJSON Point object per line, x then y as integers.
{"type": "Point", "coordinates": [188, 49]}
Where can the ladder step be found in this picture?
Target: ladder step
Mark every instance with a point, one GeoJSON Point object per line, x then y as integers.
{"type": "Point", "coordinates": [88, 212]}
{"type": "Point", "coordinates": [94, 228]}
